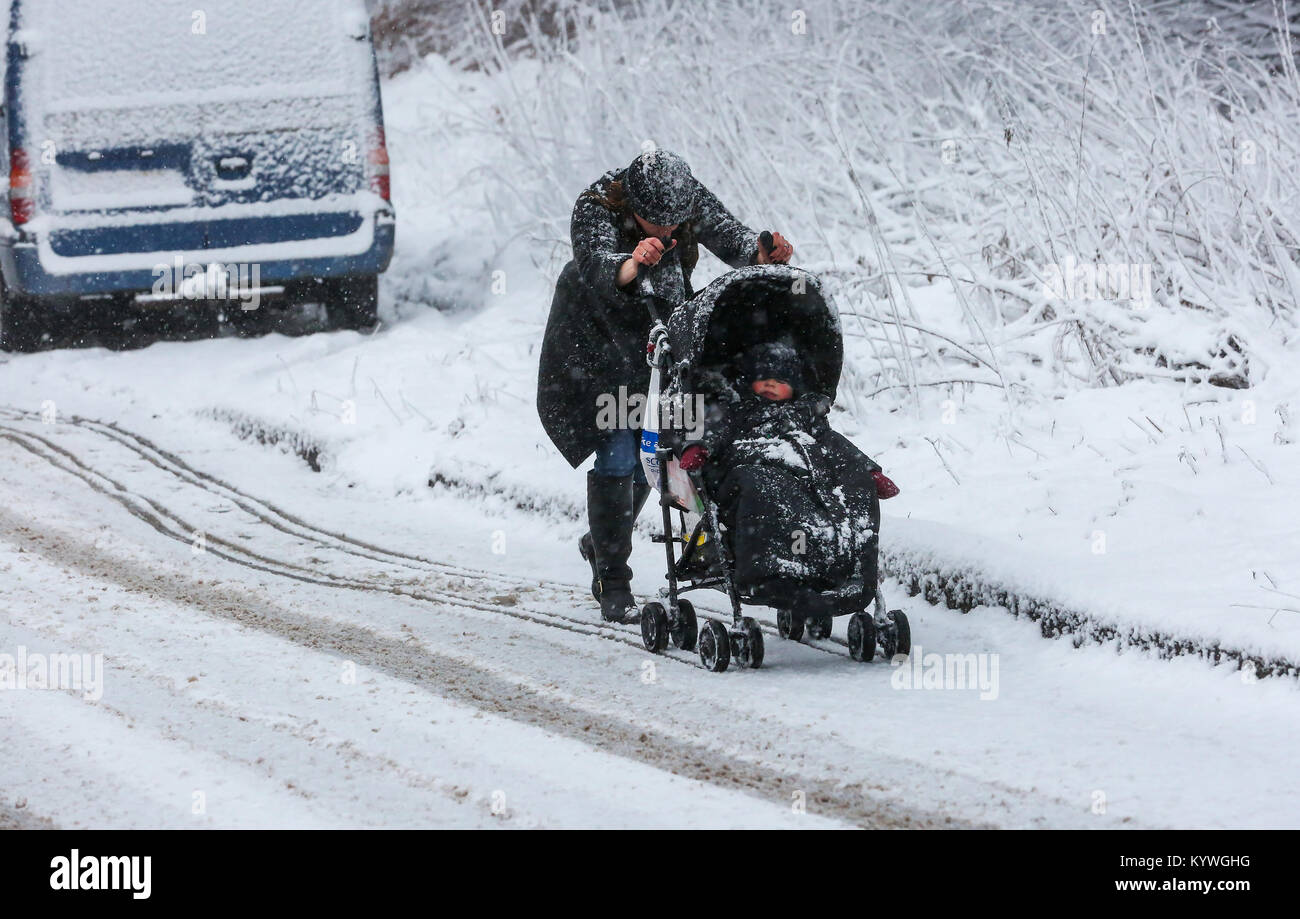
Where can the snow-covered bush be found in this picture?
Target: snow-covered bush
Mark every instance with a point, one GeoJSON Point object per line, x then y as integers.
{"type": "Point", "coordinates": [1028, 196]}
{"type": "Point", "coordinates": [406, 30]}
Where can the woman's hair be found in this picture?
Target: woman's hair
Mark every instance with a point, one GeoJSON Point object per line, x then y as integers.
{"type": "Point", "coordinates": [614, 199]}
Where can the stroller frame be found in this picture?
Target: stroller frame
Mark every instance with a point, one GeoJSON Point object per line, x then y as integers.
{"type": "Point", "coordinates": [741, 642]}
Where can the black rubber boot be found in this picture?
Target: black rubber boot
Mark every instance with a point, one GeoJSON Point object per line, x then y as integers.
{"type": "Point", "coordinates": [640, 492]}
{"type": "Point", "coordinates": [610, 514]}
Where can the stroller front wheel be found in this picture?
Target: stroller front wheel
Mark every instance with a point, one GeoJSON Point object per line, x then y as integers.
{"type": "Point", "coordinates": [747, 643]}
{"type": "Point", "coordinates": [788, 625]}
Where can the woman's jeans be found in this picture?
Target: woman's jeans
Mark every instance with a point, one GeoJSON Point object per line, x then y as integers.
{"type": "Point", "coordinates": [619, 454]}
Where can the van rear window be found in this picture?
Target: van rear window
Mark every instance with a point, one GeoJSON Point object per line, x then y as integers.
{"type": "Point", "coordinates": [107, 53]}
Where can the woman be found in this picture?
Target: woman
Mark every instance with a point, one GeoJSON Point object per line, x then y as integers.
{"type": "Point", "coordinates": [635, 230]}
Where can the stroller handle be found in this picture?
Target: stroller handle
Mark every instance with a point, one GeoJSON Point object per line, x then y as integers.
{"type": "Point", "coordinates": [657, 306]}
{"type": "Point", "coordinates": [657, 344]}
{"type": "Point", "coordinates": [648, 301]}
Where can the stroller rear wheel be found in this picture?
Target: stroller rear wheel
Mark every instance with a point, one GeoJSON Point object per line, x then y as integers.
{"type": "Point", "coordinates": [654, 627]}
{"type": "Point", "coordinates": [789, 625]}
{"type": "Point", "coordinates": [685, 631]}
{"type": "Point", "coordinates": [820, 627]}
{"type": "Point", "coordinates": [747, 643]}
{"type": "Point", "coordinates": [896, 635]}
{"type": "Point", "coordinates": [862, 637]}
{"type": "Point", "coordinates": [715, 646]}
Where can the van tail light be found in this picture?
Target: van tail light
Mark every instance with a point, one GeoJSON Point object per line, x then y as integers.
{"type": "Point", "coordinates": [378, 166]}
{"type": "Point", "coordinates": [22, 187]}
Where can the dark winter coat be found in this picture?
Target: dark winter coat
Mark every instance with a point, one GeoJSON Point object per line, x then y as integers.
{"type": "Point", "coordinates": [595, 340]}
{"type": "Point", "coordinates": [797, 497]}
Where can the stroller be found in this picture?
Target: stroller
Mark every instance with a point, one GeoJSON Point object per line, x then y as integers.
{"type": "Point", "coordinates": [742, 309]}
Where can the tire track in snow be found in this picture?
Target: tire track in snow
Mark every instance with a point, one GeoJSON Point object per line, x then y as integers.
{"type": "Point", "coordinates": [169, 524]}
{"type": "Point", "coordinates": [294, 526]}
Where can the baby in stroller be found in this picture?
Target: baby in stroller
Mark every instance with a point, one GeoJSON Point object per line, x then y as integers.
{"type": "Point", "coordinates": [798, 499]}
{"type": "Point", "coordinates": [774, 507]}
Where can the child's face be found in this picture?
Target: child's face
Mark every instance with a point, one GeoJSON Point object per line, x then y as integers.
{"type": "Point", "coordinates": [774, 390]}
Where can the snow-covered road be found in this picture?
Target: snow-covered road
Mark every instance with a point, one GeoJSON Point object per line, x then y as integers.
{"type": "Point", "coordinates": [313, 659]}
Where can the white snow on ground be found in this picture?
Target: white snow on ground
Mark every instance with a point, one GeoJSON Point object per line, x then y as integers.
{"type": "Point", "coordinates": [230, 681]}
{"type": "Point", "coordinates": [1132, 503]}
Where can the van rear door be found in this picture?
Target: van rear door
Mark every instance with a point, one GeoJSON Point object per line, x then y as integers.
{"type": "Point", "coordinates": [188, 127]}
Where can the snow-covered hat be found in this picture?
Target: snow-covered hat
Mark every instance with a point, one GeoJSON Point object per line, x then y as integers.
{"type": "Point", "coordinates": [774, 361]}
{"type": "Point", "coordinates": [660, 188]}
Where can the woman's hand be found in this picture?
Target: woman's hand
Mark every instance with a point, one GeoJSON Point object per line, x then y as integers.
{"type": "Point", "coordinates": [778, 253]}
{"type": "Point", "coordinates": [650, 250]}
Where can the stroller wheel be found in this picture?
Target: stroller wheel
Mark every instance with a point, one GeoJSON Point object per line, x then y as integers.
{"type": "Point", "coordinates": [862, 637]}
{"type": "Point", "coordinates": [715, 646]}
{"type": "Point", "coordinates": [819, 627]}
{"type": "Point", "coordinates": [747, 643]}
{"type": "Point", "coordinates": [685, 631]}
{"type": "Point", "coordinates": [788, 625]}
{"type": "Point", "coordinates": [654, 627]}
{"type": "Point", "coordinates": [755, 642]}
{"type": "Point", "coordinates": [896, 636]}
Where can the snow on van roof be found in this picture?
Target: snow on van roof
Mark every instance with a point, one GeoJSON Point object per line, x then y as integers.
{"type": "Point", "coordinates": [97, 54]}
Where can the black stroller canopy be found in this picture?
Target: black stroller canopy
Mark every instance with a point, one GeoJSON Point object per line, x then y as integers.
{"type": "Point", "coordinates": [758, 304]}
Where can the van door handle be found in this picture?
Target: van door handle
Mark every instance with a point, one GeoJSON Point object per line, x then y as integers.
{"type": "Point", "coordinates": [233, 168]}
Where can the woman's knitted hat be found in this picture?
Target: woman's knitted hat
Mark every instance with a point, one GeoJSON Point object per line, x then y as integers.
{"type": "Point", "coordinates": [660, 188]}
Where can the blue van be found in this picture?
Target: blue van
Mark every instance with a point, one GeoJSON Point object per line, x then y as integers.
{"type": "Point", "coordinates": [168, 151]}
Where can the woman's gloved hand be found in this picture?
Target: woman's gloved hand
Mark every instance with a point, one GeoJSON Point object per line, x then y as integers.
{"type": "Point", "coordinates": [693, 457]}
{"type": "Point", "coordinates": [773, 249]}
{"type": "Point", "coordinates": [885, 486]}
